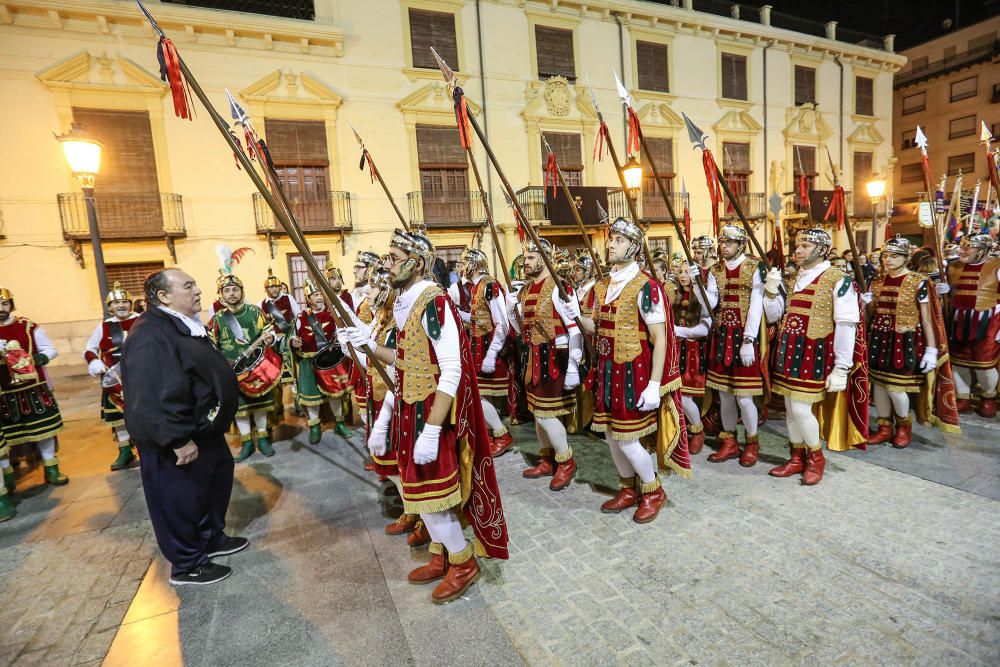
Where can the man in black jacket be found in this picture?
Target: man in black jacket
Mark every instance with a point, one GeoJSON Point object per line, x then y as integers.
{"type": "Point", "coordinates": [180, 399]}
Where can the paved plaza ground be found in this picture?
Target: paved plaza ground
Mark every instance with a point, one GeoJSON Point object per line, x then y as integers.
{"type": "Point", "coordinates": [893, 559]}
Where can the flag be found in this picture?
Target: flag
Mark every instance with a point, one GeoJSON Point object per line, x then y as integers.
{"type": "Point", "coordinates": [838, 207]}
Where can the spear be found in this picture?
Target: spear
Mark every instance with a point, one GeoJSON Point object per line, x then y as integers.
{"type": "Point", "coordinates": [627, 101]}
{"type": "Point", "coordinates": [366, 156]}
{"type": "Point", "coordinates": [986, 138]}
{"type": "Point", "coordinates": [288, 223]}
{"type": "Point", "coordinates": [859, 275]}
{"type": "Point", "coordinates": [618, 168]}
{"type": "Point", "coordinates": [803, 181]}
{"type": "Point", "coordinates": [921, 141]}
{"type": "Point", "coordinates": [571, 202]}
{"type": "Point", "coordinates": [458, 94]}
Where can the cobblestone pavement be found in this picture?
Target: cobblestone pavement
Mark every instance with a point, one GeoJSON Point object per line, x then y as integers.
{"type": "Point", "coordinates": [873, 566]}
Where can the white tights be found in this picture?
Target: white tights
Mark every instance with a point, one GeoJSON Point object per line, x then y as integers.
{"type": "Point", "coordinates": [887, 402]}
{"type": "Point", "coordinates": [121, 434]}
{"type": "Point", "coordinates": [631, 459]}
{"type": "Point", "coordinates": [803, 427]}
{"type": "Point", "coordinates": [987, 379]}
{"type": "Point", "coordinates": [335, 406]}
{"type": "Point", "coordinates": [492, 418]}
{"type": "Point", "coordinates": [259, 419]}
{"type": "Point", "coordinates": [731, 413]}
{"type": "Point", "coordinates": [445, 528]}
{"type": "Point", "coordinates": [46, 447]}
{"type": "Point", "coordinates": [692, 412]}
{"type": "Point", "coordinates": [552, 434]}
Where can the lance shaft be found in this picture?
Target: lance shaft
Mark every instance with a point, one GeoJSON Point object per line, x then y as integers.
{"type": "Point", "coordinates": [385, 189]}
{"type": "Point", "coordinates": [677, 224]}
{"type": "Point", "coordinates": [291, 227]}
{"type": "Point", "coordinates": [938, 254]}
{"type": "Point", "coordinates": [859, 275]}
{"type": "Point", "coordinates": [625, 189]}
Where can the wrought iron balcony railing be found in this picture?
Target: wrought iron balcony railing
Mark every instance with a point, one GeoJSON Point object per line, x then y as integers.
{"type": "Point", "coordinates": [123, 217]}
{"type": "Point", "coordinates": [820, 200]}
{"type": "Point", "coordinates": [291, 9]}
{"type": "Point", "coordinates": [753, 205]}
{"type": "Point", "coordinates": [328, 211]}
{"type": "Point", "coordinates": [649, 205]}
{"type": "Point", "coordinates": [452, 209]}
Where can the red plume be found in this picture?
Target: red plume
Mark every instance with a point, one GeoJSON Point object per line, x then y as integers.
{"type": "Point", "coordinates": [239, 253]}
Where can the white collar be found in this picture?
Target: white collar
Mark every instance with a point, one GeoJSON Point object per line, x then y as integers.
{"type": "Point", "coordinates": [806, 276]}
{"type": "Point", "coordinates": [114, 318]}
{"type": "Point", "coordinates": [193, 324]}
{"type": "Point", "coordinates": [625, 274]}
{"type": "Point", "coordinates": [478, 279]}
{"type": "Point", "coordinates": [736, 261]}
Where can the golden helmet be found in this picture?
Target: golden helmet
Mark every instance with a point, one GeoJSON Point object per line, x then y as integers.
{"type": "Point", "coordinates": [309, 288]}
{"type": "Point", "coordinates": [227, 279]}
{"type": "Point", "coordinates": [333, 272]}
{"type": "Point", "coordinates": [117, 293]}
{"type": "Point", "coordinates": [271, 280]}
{"type": "Point", "coordinates": [6, 294]}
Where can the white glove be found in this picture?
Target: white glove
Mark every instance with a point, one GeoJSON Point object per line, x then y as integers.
{"type": "Point", "coordinates": [571, 307]}
{"type": "Point", "coordinates": [572, 380]}
{"type": "Point", "coordinates": [357, 337]}
{"type": "Point", "coordinates": [465, 316]}
{"type": "Point", "coordinates": [695, 272]}
{"type": "Point", "coordinates": [649, 399]}
{"type": "Point", "coordinates": [747, 354]}
{"type": "Point", "coordinates": [866, 298]}
{"type": "Point", "coordinates": [837, 380]}
{"type": "Point", "coordinates": [575, 355]}
{"type": "Point", "coordinates": [683, 332]}
{"type": "Point", "coordinates": [942, 288]}
{"type": "Point", "coordinates": [489, 363]}
{"type": "Point", "coordinates": [425, 449]}
{"type": "Point", "coordinates": [377, 443]}
{"type": "Point", "coordinates": [342, 337]}
{"type": "Point", "coordinates": [773, 281]}
{"type": "Point", "coordinates": [929, 361]}
{"type": "Point", "coordinates": [96, 367]}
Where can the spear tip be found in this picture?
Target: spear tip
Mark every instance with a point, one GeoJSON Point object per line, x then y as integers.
{"type": "Point", "coordinates": [920, 139]}
{"type": "Point", "coordinates": [356, 135]}
{"type": "Point", "coordinates": [622, 92]}
{"type": "Point", "coordinates": [238, 113]}
{"type": "Point", "coordinates": [447, 72]}
{"type": "Point", "coordinates": [695, 134]}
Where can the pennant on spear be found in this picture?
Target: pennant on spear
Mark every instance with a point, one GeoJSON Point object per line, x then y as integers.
{"type": "Point", "coordinates": [838, 208]}
{"type": "Point", "coordinates": [376, 175]}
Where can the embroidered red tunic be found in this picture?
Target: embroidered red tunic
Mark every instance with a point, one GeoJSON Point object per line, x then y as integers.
{"type": "Point", "coordinates": [725, 370]}
{"type": "Point", "coordinates": [547, 362]}
{"type": "Point", "coordinates": [692, 360]}
{"type": "Point", "coordinates": [482, 329]}
{"type": "Point", "coordinates": [896, 336]}
{"type": "Point", "coordinates": [973, 321]}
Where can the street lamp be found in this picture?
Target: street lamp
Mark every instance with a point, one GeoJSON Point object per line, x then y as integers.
{"type": "Point", "coordinates": [632, 171]}
{"type": "Point", "coordinates": [876, 188]}
{"type": "Point", "coordinates": [83, 154]}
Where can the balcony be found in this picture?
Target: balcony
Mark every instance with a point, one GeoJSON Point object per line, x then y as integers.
{"type": "Point", "coordinates": [753, 205]}
{"type": "Point", "coordinates": [289, 9]}
{"type": "Point", "coordinates": [650, 206]}
{"type": "Point", "coordinates": [540, 206]}
{"type": "Point", "coordinates": [451, 209]}
{"type": "Point", "coordinates": [317, 213]}
{"type": "Point", "coordinates": [820, 199]}
{"type": "Point", "coordinates": [946, 65]}
{"type": "Point", "coordinates": [122, 217]}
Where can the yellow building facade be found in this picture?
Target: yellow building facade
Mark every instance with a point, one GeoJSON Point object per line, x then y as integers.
{"type": "Point", "coordinates": [750, 84]}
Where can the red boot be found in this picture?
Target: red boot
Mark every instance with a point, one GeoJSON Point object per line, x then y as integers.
{"type": "Point", "coordinates": [882, 434]}
{"type": "Point", "coordinates": [463, 569]}
{"type": "Point", "coordinates": [696, 439]}
{"type": "Point", "coordinates": [730, 448]}
{"type": "Point", "coordinates": [988, 407]}
{"type": "Point", "coordinates": [419, 537]}
{"type": "Point", "coordinates": [564, 474]}
{"type": "Point", "coordinates": [434, 570]}
{"type": "Point", "coordinates": [502, 444]}
{"type": "Point", "coordinates": [815, 463]}
{"type": "Point", "coordinates": [748, 458]}
{"type": "Point", "coordinates": [404, 524]}
{"type": "Point", "coordinates": [904, 433]}
{"type": "Point", "coordinates": [626, 497]}
{"type": "Point", "coordinates": [544, 468]}
{"type": "Point", "coordinates": [649, 505]}
{"type": "Point", "coordinates": [795, 464]}
{"type": "Point", "coordinates": [964, 405]}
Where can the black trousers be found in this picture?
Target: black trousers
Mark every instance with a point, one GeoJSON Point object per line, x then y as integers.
{"type": "Point", "coordinates": [187, 504]}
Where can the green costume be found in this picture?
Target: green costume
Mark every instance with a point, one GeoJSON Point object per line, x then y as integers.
{"type": "Point", "coordinates": [233, 339]}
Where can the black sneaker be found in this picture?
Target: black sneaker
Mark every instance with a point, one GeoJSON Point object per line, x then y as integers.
{"type": "Point", "coordinates": [230, 545]}
{"type": "Point", "coordinates": [209, 573]}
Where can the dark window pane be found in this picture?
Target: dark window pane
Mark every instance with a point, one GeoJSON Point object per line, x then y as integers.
{"type": "Point", "coordinates": [864, 100]}
{"type": "Point", "coordinates": [651, 65]}
{"type": "Point", "coordinates": [435, 29]}
{"type": "Point", "coordinates": [734, 76]}
{"type": "Point", "coordinates": [805, 85]}
{"type": "Point", "coordinates": [554, 50]}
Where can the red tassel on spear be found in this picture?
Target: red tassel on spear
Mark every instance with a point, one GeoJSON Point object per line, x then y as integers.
{"type": "Point", "coordinates": [170, 71]}
{"type": "Point", "coordinates": [462, 117]}
{"type": "Point", "coordinates": [714, 187]}
{"type": "Point", "coordinates": [552, 173]}
{"type": "Point", "coordinates": [632, 145]}
{"type": "Point", "coordinates": [837, 207]}
{"type": "Point", "coordinates": [599, 146]}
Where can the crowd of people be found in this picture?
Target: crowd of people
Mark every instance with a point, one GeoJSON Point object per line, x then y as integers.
{"type": "Point", "coordinates": [657, 354]}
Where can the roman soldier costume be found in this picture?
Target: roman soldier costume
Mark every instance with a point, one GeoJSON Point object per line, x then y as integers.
{"type": "Point", "coordinates": [234, 331]}
{"type": "Point", "coordinates": [905, 355]}
{"type": "Point", "coordinates": [973, 321]}
{"type": "Point", "coordinates": [102, 353]}
{"type": "Point", "coordinates": [553, 347]}
{"type": "Point", "coordinates": [324, 369]}
{"type": "Point", "coordinates": [282, 311]}
{"type": "Point", "coordinates": [818, 355]}
{"type": "Point", "coordinates": [28, 408]}
{"type": "Point", "coordinates": [737, 367]}
{"type": "Point", "coordinates": [370, 261]}
{"type": "Point", "coordinates": [583, 409]}
{"type": "Point", "coordinates": [692, 322]}
{"type": "Point", "coordinates": [447, 467]}
{"type": "Point", "coordinates": [630, 404]}
{"type": "Point", "coordinates": [335, 274]}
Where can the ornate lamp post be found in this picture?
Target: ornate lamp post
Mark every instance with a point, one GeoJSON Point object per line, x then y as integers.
{"type": "Point", "coordinates": [876, 189]}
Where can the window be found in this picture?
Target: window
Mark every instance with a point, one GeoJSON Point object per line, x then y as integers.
{"type": "Point", "coordinates": [651, 66]}
{"type": "Point", "coordinates": [966, 163]}
{"type": "Point", "coordinates": [292, 9]}
{"type": "Point", "coordinates": [661, 243]}
{"type": "Point", "coordinates": [964, 89]}
{"type": "Point", "coordinates": [736, 167]}
{"type": "Point", "coordinates": [949, 52]}
{"type": "Point", "coordinates": [661, 151]}
{"type": "Point", "coordinates": [911, 173]}
{"type": "Point", "coordinates": [861, 240]}
{"type": "Point", "coordinates": [804, 163]}
{"type": "Point", "coordinates": [983, 41]}
{"type": "Point", "coordinates": [995, 129]}
{"type": "Point", "coordinates": [299, 272]}
{"type": "Point", "coordinates": [444, 181]}
{"type": "Point", "coordinates": [449, 253]}
{"type": "Point", "coordinates": [962, 127]}
{"type": "Point", "coordinates": [862, 174]}
{"type": "Point", "coordinates": [864, 96]}
{"type": "Point", "coordinates": [554, 52]}
{"type": "Point", "coordinates": [298, 149]}
{"type": "Point", "coordinates": [435, 29]}
{"type": "Point", "coordinates": [909, 139]}
{"type": "Point", "coordinates": [569, 155]}
{"type": "Point", "coordinates": [914, 103]}
{"type": "Point", "coordinates": [918, 63]}
{"type": "Point", "coordinates": [805, 85]}
{"type": "Point", "coordinates": [127, 193]}
{"type": "Point", "coordinates": [734, 76]}
{"type": "Point", "coordinates": [132, 276]}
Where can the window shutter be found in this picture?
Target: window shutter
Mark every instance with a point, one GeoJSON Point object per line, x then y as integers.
{"type": "Point", "coordinates": [554, 49]}
{"type": "Point", "coordinates": [651, 64]}
{"type": "Point", "coordinates": [439, 147]}
{"type": "Point", "coordinates": [132, 276]}
{"type": "Point", "coordinates": [805, 85]}
{"type": "Point", "coordinates": [864, 101]}
{"type": "Point", "coordinates": [736, 158]}
{"type": "Point", "coordinates": [567, 148]}
{"type": "Point", "coordinates": [662, 152]}
{"type": "Point", "coordinates": [435, 29]}
{"type": "Point", "coordinates": [806, 155]}
{"type": "Point", "coordinates": [734, 76]}
{"type": "Point", "coordinates": [128, 163]}
{"type": "Point", "coordinates": [297, 142]}
{"type": "Point", "coordinates": [965, 163]}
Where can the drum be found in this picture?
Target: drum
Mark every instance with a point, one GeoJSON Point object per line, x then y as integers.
{"type": "Point", "coordinates": [258, 370]}
{"type": "Point", "coordinates": [332, 370]}
{"type": "Point", "coordinates": [111, 382]}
